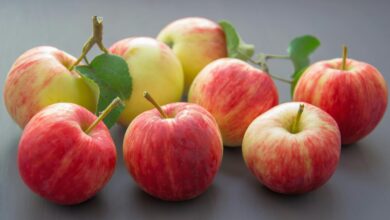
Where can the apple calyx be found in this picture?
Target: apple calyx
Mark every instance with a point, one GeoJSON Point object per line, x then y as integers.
{"type": "Point", "coordinates": [156, 105]}
{"type": "Point", "coordinates": [295, 125]}
{"type": "Point", "coordinates": [115, 103]}
{"type": "Point", "coordinates": [345, 55]}
{"type": "Point", "coordinates": [96, 38]}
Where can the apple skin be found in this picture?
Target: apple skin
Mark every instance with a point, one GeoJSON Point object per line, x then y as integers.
{"type": "Point", "coordinates": [292, 163]}
{"type": "Point", "coordinates": [154, 68]}
{"type": "Point", "coordinates": [60, 162]}
{"type": "Point", "coordinates": [38, 78]}
{"type": "Point", "coordinates": [356, 98]}
{"type": "Point", "coordinates": [176, 158]}
{"type": "Point", "coordinates": [235, 93]}
{"type": "Point", "coordinates": [196, 42]}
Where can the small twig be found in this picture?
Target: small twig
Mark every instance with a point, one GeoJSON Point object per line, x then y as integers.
{"type": "Point", "coordinates": [96, 38]}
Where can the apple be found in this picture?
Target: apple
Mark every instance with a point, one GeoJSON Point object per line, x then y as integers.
{"type": "Point", "coordinates": [173, 153]}
{"type": "Point", "coordinates": [153, 67]}
{"type": "Point", "coordinates": [235, 93]}
{"type": "Point", "coordinates": [354, 94]}
{"type": "Point", "coordinates": [196, 42]}
{"type": "Point", "coordinates": [41, 77]}
{"type": "Point", "coordinates": [292, 153]}
{"type": "Point", "coordinates": [62, 158]}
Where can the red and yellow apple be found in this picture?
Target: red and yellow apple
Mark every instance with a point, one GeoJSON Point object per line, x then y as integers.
{"type": "Point", "coordinates": [355, 96]}
{"type": "Point", "coordinates": [173, 158]}
{"type": "Point", "coordinates": [59, 161]}
{"type": "Point", "coordinates": [41, 77]}
{"type": "Point", "coordinates": [196, 42]}
{"type": "Point", "coordinates": [235, 93]}
{"type": "Point", "coordinates": [292, 153]}
{"type": "Point", "coordinates": [153, 67]}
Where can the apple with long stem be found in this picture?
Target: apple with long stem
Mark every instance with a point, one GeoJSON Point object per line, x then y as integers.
{"type": "Point", "coordinates": [354, 93]}
{"type": "Point", "coordinates": [66, 153]}
{"type": "Point", "coordinates": [292, 152]}
{"type": "Point", "coordinates": [153, 67]}
{"type": "Point", "coordinates": [196, 42]}
{"type": "Point", "coordinates": [174, 152]}
{"type": "Point", "coordinates": [235, 93]}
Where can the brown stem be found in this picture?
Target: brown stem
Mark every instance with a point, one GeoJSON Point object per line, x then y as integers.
{"type": "Point", "coordinates": [345, 55]}
{"type": "Point", "coordinates": [96, 38]}
{"type": "Point", "coordinates": [157, 106]}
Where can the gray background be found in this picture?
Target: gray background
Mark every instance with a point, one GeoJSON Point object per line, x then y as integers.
{"type": "Point", "coordinates": [358, 190]}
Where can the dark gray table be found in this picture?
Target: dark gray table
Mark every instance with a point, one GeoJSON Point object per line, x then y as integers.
{"type": "Point", "coordinates": [358, 190]}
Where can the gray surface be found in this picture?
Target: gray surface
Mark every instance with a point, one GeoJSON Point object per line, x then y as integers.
{"type": "Point", "coordinates": [358, 190]}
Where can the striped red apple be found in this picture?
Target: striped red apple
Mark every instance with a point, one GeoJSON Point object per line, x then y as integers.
{"type": "Point", "coordinates": [173, 153]}
{"type": "Point", "coordinates": [354, 93]}
{"type": "Point", "coordinates": [66, 154]}
{"type": "Point", "coordinates": [292, 152]}
{"type": "Point", "coordinates": [235, 93]}
{"type": "Point", "coordinates": [40, 77]}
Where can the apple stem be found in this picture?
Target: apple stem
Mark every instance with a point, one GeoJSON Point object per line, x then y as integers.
{"type": "Point", "coordinates": [295, 125]}
{"type": "Point", "coordinates": [115, 103]}
{"type": "Point", "coordinates": [96, 38]}
{"type": "Point", "coordinates": [157, 106]}
{"type": "Point", "coordinates": [345, 55]}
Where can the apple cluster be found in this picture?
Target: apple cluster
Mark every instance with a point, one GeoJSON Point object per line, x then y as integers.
{"type": "Point", "coordinates": [173, 152]}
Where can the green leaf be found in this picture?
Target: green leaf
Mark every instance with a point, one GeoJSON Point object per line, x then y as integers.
{"type": "Point", "coordinates": [236, 47]}
{"type": "Point", "coordinates": [297, 76]}
{"type": "Point", "coordinates": [111, 75]}
{"type": "Point", "coordinates": [300, 49]}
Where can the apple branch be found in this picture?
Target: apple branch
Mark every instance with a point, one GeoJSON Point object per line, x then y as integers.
{"type": "Point", "coordinates": [345, 55]}
{"type": "Point", "coordinates": [96, 38]}
{"type": "Point", "coordinates": [157, 106]}
{"type": "Point", "coordinates": [295, 125]}
{"type": "Point", "coordinates": [115, 103]}
{"type": "Point", "coordinates": [262, 63]}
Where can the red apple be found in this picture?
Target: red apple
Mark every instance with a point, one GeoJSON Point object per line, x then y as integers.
{"type": "Point", "coordinates": [41, 77]}
{"type": "Point", "coordinates": [292, 153]}
{"type": "Point", "coordinates": [61, 162]}
{"type": "Point", "coordinates": [235, 93]}
{"type": "Point", "coordinates": [355, 96]}
{"type": "Point", "coordinates": [175, 156]}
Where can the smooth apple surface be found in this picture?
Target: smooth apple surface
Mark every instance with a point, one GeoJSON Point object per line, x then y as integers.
{"type": "Point", "coordinates": [196, 42]}
{"type": "Point", "coordinates": [173, 158]}
{"type": "Point", "coordinates": [59, 161]}
{"type": "Point", "coordinates": [356, 97]}
{"type": "Point", "coordinates": [154, 68]}
{"type": "Point", "coordinates": [40, 77]}
{"type": "Point", "coordinates": [235, 93]}
{"type": "Point", "coordinates": [288, 162]}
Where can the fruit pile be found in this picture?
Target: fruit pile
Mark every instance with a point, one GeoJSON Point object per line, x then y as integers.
{"type": "Point", "coordinates": [173, 152]}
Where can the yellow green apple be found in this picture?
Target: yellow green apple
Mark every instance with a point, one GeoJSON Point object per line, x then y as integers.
{"type": "Point", "coordinates": [196, 42]}
{"type": "Point", "coordinates": [40, 77]}
{"type": "Point", "coordinates": [154, 68]}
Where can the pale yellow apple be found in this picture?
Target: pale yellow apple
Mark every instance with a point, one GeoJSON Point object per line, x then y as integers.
{"type": "Point", "coordinates": [40, 77]}
{"type": "Point", "coordinates": [196, 42]}
{"type": "Point", "coordinates": [154, 68]}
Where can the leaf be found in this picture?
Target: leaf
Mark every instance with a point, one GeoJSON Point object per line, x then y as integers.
{"type": "Point", "coordinates": [111, 75]}
{"type": "Point", "coordinates": [300, 49]}
{"type": "Point", "coordinates": [236, 47]}
{"type": "Point", "coordinates": [297, 76]}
